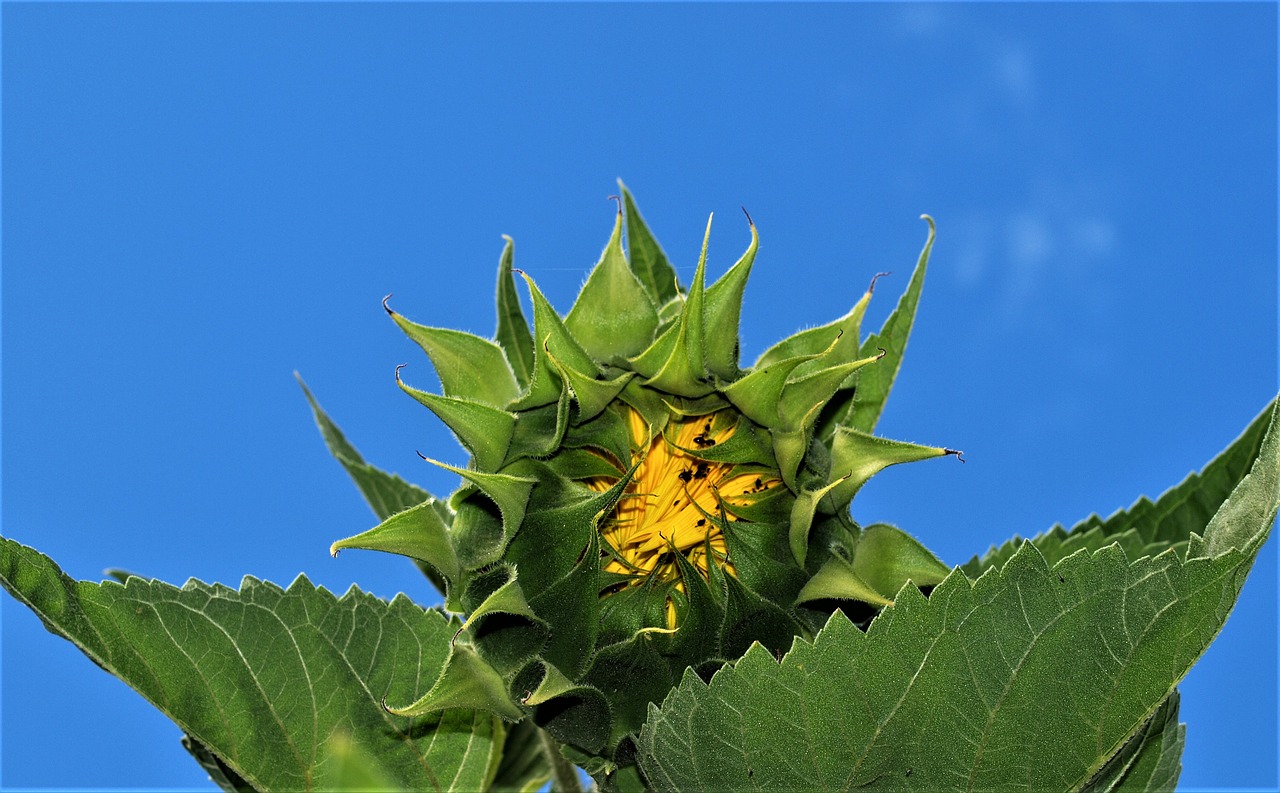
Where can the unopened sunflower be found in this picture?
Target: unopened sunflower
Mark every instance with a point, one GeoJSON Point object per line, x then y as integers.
{"type": "Point", "coordinates": [636, 503]}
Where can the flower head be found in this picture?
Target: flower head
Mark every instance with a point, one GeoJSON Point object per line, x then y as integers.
{"type": "Point", "coordinates": [677, 502]}
{"type": "Point", "coordinates": [637, 503]}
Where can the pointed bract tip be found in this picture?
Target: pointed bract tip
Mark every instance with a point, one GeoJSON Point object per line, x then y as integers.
{"type": "Point", "coordinates": [750, 222]}
{"type": "Point", "coordinates": [306, 392]}
{"type": "Point", "coordinates": [387, 308]}
{"type": "Point", "coordinates": [928, 220]}
{"type": "Point", "coordinates": [959, 454]}
{"type": "Point", "coordinates": [875, 278]}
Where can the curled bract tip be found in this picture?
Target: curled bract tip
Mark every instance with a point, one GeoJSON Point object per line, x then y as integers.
{"type": "Point", "coordinates": [872, 287]}
{"type": "Point", "coordinates": [333, 550]}
{"type": "Point", "coordinates": [882, 353]}
{"type": "Point", "coordinates": [750, 222]}
{"type": "Point", "coordinates": [385, 307]}
{"type": "Point", "coordinates": [618, 199]}
{"type": "Point", "coordinates": [959, 454]}
{"type": "Point", "coordinates": [398, 368]}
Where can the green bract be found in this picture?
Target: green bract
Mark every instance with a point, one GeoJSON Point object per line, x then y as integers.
{"type": "Point", "coordinates": [636, 502]}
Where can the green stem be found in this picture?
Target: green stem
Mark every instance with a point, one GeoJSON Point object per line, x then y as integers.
{"type": "Point", "coordinates": [564, 774]}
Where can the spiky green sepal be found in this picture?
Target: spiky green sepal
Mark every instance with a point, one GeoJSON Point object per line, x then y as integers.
{"type": "Point", "coordinates": [583, 605]}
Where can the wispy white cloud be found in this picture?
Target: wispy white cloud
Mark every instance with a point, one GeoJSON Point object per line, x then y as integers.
{"type": "Point", "coordinates": [1014, 73]}
{"type": "Point", "coordinates": [1021, 254]}
{"type": "Point", "coordinates": [1053, 228]}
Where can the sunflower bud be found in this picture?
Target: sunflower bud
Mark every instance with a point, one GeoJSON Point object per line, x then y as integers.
{"type": "Point", "coordinates": [635, 502]}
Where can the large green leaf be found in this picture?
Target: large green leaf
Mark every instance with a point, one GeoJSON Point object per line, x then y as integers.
{"type": "Point", "coordinates": [263, 677]}
{"type": "Point", "coordinates": [218, 772]}
{"type": "Point", "coordinates": [1033, 677]}
{"type": "Point", "coordinates": [1151, 761]}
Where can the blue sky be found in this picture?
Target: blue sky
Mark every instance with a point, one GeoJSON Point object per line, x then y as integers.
{"type": "Point", "coordinates": [199, 199]}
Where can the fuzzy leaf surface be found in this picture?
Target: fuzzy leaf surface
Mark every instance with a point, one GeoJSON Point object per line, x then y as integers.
{"type": "Point", "coordinates": [1151, 762]}
{"type": "Point", "coordinates": [513, 334]}
{"type": "Point", "coordinates": [875, 383]}
{"type": "Point", "coordinates": [613, 317]}
{"type": "Point", "coordinates": [1033, 677]}
{"type": "Point", "coordinates": [647, 258]}
{"type": "Point", "coordinates": [264, 677]}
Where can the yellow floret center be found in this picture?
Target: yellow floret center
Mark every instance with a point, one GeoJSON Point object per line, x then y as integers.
{"type": "Point", "coordinates": [677, 502]}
